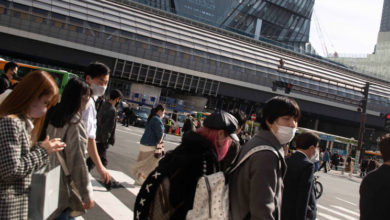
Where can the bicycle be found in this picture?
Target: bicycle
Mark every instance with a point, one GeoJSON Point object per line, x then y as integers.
{"type": "Point", "coordinates": [318, 188]}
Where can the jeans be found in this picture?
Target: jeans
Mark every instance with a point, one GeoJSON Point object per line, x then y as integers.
{"type": "Point", "coordinates": [65, 215]}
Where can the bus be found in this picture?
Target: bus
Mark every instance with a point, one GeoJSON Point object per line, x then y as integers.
{"type": "Point", "coordinates": [342, 145]}
{"type": "Point", "coordinates": [60, 76]}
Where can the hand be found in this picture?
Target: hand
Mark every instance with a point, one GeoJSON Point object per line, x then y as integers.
{"type": "Point", "coordinates": [53, 145]}
{"type": "Point", "coordinates": [89, 204]}
{"type": "Point", "coordinates": [104, 175]}
{"type": "Point", "coordinates": [159, 152]}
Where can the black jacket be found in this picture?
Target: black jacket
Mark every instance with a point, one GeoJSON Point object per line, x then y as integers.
{"type": "Point", "coordinates": [299, 202]}
{"type": "Point", "coordinates": [4, 83]}
{"type": "Point", "coordinates": [183, 167]}
{"type": "Point", "coordinates": [188, 126]}
{"type": "Point", "coordinates": [106, 124]}
{"type": "Point", "coordinates": [375, 194]}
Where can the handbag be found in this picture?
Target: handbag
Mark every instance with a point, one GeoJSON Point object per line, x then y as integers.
{"type": "Point", "coordinates": [77, 209]}
{"type": "Point", "coordinates": [44, 193]}
{"type": "Point", "coordinates": [159, 152]}
{"type": "Point", "coordinates": [211, 199]}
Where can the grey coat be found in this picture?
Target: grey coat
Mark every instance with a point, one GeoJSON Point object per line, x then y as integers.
{"type": "Point", "coordinates": [17, 162]}
{"type": "Point", "coordinates": [74, 154]}
{"type": "Point", "coordinates": [256, 186]}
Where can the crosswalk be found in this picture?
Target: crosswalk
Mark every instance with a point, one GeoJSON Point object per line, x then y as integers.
{"type": "Point", "coordinates": [348, 210]}
{"type": "Point", "coordinates": [119, 205]}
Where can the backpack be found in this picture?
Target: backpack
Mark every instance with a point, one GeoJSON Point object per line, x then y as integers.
{"type": "Point", "coordinates": [212, 192]}
{"type": "Point", "coordinates": [152, 201]}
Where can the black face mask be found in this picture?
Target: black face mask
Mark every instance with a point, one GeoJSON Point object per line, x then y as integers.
{"type": "Point", "coordinates": [116, 105]}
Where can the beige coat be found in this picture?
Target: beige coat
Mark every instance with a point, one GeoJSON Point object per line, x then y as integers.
{"type": "Point", "coordinates": [75, 156]}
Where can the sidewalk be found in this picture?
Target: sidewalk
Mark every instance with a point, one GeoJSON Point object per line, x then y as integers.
{"type": "Point", "coordinates": [355, 176]}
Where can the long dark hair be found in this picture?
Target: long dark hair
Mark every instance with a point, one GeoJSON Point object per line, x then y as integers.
{"type": "Point", "coordinates": [154, 111]}
{"type": "Point", "coordinates": [70, 104]}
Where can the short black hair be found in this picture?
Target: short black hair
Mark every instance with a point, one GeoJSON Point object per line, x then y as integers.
{"type": "Point", "coordinates": [10, 65]}
{"type": "Point", "coordinates": [97, 69]}
{"type": "Point", "coordinates": [115, 93]}
{"type": "Point", "coordinates": [307, 139]}
{"type": "Point", "coordinates": [384, 147]}
{"type": "Point", "coordinates": [279, 106]}
{"type": "Point", "coordinates": [240, 116]}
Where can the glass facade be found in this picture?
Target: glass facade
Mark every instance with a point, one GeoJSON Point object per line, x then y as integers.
{"type": "Point", "coordinates": [284, 21]}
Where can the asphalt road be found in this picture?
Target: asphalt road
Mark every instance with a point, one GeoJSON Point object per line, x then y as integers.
{"type": "Point", "coordinates": [340, 199]}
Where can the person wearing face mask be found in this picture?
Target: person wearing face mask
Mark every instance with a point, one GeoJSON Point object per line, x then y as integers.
{"type": "Point", "coordinates": [64, 121]}
{"type": "Point", "coordinates": [21, 117]}
{"type": "Point", "coordinates": [97, 76]}
{"type": "Point", "coordinates": [176, 177]}
{"type": "Point", "coordinates": [106, 124]}
{"type": "Point", "coordinates": [7, 80]}
{"type": "Point", "coordinates": [255, 188]}
{"type": "Point", "coordinates": [151, 145]}
{"type": "Point", "coordinates": [299, 201]}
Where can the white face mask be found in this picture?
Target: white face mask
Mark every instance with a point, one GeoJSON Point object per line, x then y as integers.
{"type": "Point", "coordinates": [98, 90]}
{"type": "Point", "coordinates": [285, 134]}
{"type": "Point", "coordinates": [316, 156]}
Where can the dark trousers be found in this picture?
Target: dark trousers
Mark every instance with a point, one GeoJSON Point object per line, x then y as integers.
{"type": "Point", "coordinates": [324, 165]}
{"type": "Point", "coordinates": [102, 149]}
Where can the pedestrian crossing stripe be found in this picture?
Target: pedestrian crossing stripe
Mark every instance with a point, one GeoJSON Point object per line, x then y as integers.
{"type": "Point", "coordinates": [109, 203]}
{"type": "Point", "coordinates": [326, 216]}
{"type": "Point", "coordinates": [123, 178]}
{"type": "Point", "coordinates": [346, 201]}
{"type": "Point", "coordinates": [335, 212]}
{"type": "Point", "coordinates": [345, 210]}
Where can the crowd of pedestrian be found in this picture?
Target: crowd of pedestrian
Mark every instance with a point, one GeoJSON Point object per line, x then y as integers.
{"type": "Point", "coordinates": [39, 129]}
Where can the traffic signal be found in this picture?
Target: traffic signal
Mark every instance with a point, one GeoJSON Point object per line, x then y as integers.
{"type": "Point", "coordinates": [283, 85]}
{"type": "Point", "coordinates": [387, 122]}
{"type": "Point", "coordinates": [287, 88]}
{"type": "Point", "coordinates": [363, 102]}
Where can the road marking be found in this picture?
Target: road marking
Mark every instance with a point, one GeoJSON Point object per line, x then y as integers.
{"type": "Point", "coordinates": [346, 201]}
{"type": "Point", "coordinates": [346, 210]}
{"type": "Point", "coordinates": [335, 212]}
{"type": "Point", "coordinates": [129, 132]}
{"type": "Point", "coordinates": [174, 143]}
{"type": "Point", "coordinates": [109, 203]}
{"type": "Point", "coordinates": [123, 178]}
{"type": "Point", "coordinates": [327, 216]}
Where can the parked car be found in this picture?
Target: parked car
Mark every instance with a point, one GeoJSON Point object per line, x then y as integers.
{"type": "Point", "coordinates": [140, 118]}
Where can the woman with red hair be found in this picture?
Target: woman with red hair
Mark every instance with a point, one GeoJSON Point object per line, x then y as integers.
{"type": "Point", "coordinates": [200, 153]}
{"type": "Point", "coordinates": [21, 119]}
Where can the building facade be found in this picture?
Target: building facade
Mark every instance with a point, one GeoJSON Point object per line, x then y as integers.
{"type": "Point", "coordinates": [377, 63]}
{"type": "Point", "coordinates": [277, 21]}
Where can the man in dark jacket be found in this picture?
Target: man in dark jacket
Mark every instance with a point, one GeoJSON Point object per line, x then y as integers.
{"type": "Point", "coordinates": [335, 159]}
{"type": "Point", "coordinates": [299, 202]}
{"type": "Point", "coordinates": [106, 124]}
{"type": "Point", "coordinates": [255, 188]}
{"type": "Point", "coordinates": [7, 79]}
{"type": "Point", "coordinates": [188, 125]}
{"type": "Point", "coordinates": [375, 188]}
